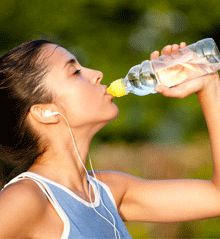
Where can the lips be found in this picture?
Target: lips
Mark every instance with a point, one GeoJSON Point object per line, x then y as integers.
{"type": "Point", "coordinates": [110, 95]}
{"type": "Point", "coordinates": [106, 93]}
{"type": "Point", "coordinates": [105, 89]}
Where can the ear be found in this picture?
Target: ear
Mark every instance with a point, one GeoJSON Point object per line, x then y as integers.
{"type": "Point", "coordinates": [38, 113]}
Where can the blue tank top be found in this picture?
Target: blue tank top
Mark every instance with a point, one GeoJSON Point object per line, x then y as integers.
{"type": "Point", "coordinates": [82, 220]}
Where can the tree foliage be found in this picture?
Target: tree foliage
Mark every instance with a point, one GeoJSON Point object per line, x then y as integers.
{"type": "Point", "coordinates": [112, 36]}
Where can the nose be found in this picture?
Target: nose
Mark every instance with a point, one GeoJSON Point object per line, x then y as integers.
{"type": "Point", "coordinates": [97, 77]}
{"type": "Point", "coordinates": [100, 76]}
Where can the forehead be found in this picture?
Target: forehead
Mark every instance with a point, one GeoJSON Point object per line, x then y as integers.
{"type": "Point", "coordinates": [57, 54]}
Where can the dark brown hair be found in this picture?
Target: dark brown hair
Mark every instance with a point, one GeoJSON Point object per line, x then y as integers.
{"type": "Point", "coordinates": [22, 71]}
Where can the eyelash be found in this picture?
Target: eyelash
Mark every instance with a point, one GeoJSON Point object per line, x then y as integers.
{"type": "Point", "coordinates": [76, 72]}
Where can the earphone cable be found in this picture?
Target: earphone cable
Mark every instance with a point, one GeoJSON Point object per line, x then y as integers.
{"type": "Point", "coordinates": [74, 144]}
{"type": "Point", "coordinates": [116, 230]}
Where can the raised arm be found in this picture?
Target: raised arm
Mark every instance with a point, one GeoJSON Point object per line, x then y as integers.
{"type": "Point", "coordinates": [207, 89]}
{"type": "Point", "coordinates": [176, 200]}
{"type": "Point", "coordinates": [209, 98]}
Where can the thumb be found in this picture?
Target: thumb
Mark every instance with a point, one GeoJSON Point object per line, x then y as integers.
{"type": "Point", "coordinates": [182, 90]}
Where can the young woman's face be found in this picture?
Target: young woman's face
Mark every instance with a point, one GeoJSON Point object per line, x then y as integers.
{"type": "Point", "coordinates": [79, 94]}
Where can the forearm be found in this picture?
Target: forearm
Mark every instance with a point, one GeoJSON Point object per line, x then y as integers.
{"type": "Point", "coordinates": [209, 99]}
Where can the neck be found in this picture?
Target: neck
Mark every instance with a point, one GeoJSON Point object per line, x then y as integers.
{"type": "Point", "coordinates": [61, 162]}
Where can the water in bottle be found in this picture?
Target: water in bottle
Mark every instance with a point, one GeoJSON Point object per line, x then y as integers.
{"type": "Point", "coordinates": [188, 63]}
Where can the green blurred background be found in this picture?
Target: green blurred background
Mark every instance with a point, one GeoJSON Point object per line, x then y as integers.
{"type": "Point", "coordinates": [153, 137]}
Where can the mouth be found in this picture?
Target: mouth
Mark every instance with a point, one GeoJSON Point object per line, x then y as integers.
{"type": "Point", "coordinates": [108, 94]}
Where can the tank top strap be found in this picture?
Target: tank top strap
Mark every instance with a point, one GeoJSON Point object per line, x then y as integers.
{"type": "Point", "coordinates": [47, 191]}
{"type": "Point", "coordinates": [105, 187]}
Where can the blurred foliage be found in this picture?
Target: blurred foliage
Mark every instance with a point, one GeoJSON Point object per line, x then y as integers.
{"type": "Point", "coordinates": [112, 36]}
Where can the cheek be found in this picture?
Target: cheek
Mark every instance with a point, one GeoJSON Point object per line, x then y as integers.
{"type": "Point", "coordinates": [84, 106]}
{"type": "Point", "coordinates": [96, 109]}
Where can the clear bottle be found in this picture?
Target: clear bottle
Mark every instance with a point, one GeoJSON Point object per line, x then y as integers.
{"type": "Point", "coordinates": [190, 62]}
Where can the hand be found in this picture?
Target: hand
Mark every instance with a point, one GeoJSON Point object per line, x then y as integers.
{"type": "Point", "coordinates": [167, 50]}
{"type": "Point", "coordinates": [188, 87]}
{"type": "Point", "coordinates": [198, 85]}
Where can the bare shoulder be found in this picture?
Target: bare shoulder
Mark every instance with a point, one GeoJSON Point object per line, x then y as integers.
{"type": "Point", "coordinates": [21, 206]}
{"type": "Point", "coordinates": [118, 182]}
{"type": "Point", "coordinates": [108, 176]}
{"type": "Point", "coordinates": [25, 192]}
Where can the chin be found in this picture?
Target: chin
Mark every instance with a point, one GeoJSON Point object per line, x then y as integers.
{"type": "Point", "coordinates": [115, 113]}
{"type": "Point", "coordinates": [112, 115]}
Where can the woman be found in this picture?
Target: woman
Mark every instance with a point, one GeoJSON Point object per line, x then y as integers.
{"type": "Point", "coordinates": [55, 106]}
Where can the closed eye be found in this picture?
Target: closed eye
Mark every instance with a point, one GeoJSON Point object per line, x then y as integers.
{"type": "Point", "coordinates": [77, 72]}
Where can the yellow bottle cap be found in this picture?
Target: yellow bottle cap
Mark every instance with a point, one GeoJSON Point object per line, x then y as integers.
{"type": "Point", "coordinates": [116, 88]}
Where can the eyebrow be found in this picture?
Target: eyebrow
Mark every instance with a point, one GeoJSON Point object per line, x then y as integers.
{"type": "Point", "coordinates": [71, 61]}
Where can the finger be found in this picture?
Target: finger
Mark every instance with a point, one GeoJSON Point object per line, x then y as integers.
{"type": "Point", "coordinates": [182, 45]}
{"type": "Point", "coordinates": [175, 48]}
{"type": "Point", "coordinates": [166, 50]}
{"type": "Point", "coordinates": [174, 92]}
{"type": "Point", "coordinates": [154, 55]}
{"type": "Point", "coordinates": [180, 91]}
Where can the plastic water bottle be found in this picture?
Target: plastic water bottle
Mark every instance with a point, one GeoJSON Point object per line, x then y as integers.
{"type": "Point", "coordinates": [190, 62]}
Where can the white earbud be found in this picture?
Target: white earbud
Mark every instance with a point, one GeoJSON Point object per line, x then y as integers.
{"type": "Point", "coordinates": [48, 113]}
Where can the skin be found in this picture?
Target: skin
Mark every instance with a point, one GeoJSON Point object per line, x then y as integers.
{"type": "Point", "coordinates": [84, 102]}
